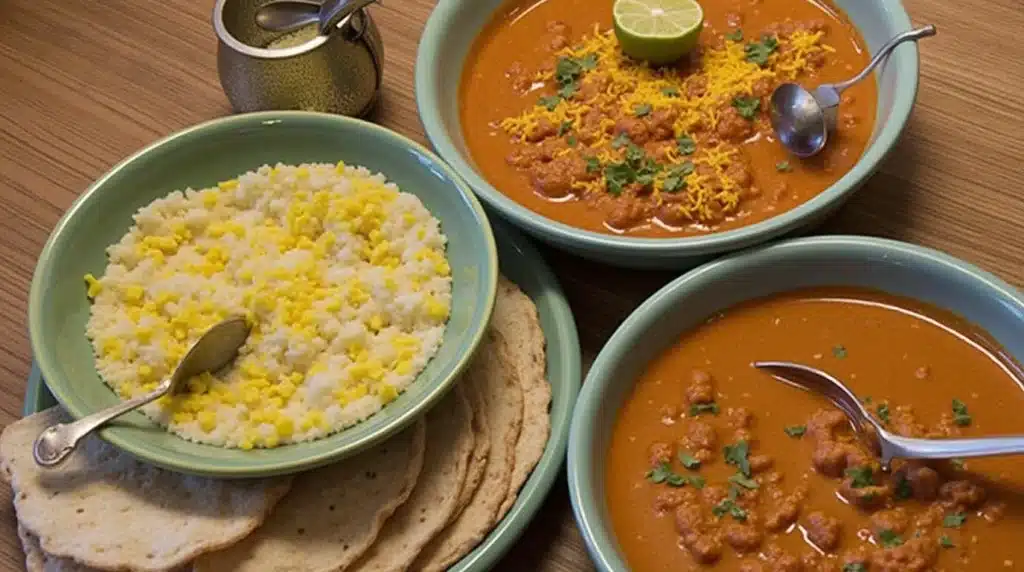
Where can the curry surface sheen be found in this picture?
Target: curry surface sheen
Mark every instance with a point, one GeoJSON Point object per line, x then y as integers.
{"type": "Point", "coordinates": [509, 71]}
{"type": "Point", "coordinates": [817, 500]}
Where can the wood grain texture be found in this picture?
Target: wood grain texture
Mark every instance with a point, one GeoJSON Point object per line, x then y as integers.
{"type": "Point", "coordinates": [83, 84]}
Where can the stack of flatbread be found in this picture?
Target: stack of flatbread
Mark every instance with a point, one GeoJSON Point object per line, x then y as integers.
{"type": "Point", "coordinates": [420, 501]}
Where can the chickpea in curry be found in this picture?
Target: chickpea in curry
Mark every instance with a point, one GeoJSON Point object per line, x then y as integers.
{"type": "Point", "coordinates": [559, 119]}
{"type": "Point", "coordinates": [715, 465]}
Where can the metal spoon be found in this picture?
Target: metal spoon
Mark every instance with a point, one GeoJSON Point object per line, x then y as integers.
{"type": "Point", "coordinates": [289, 15]}
{"type": "Point", "coordinates": [892, 446]}
{"type": "Point", "coordinates": [802, 119]}
{"type": "Point", "coordinates": [214, 350]}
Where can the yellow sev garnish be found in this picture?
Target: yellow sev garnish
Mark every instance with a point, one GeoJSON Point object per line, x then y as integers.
{"type": "Point", "coordinates": [595, 77]}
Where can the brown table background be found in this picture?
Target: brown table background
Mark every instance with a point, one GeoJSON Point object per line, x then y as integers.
{"type": "Point", "coordinates": [84, 83]}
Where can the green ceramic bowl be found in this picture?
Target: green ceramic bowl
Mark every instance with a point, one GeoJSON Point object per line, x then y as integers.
{"type": "Point", "coordinates": [198, 157]}
{"type": "Point", "coordinates": [894, 267]}
{"type": "Point", "coordinates": [522, 264]}
{"type": "Point", "coordinates": [455, 24]}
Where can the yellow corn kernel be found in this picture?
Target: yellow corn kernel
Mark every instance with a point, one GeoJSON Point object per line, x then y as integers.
{"type": "Point", "coordinates": [93, 286]}
{"type": "Point", "coordinates": [145, 371]}
{"type": "Point", "coordinates": [228, 185]}
{"type": "Point", "coordinates": [387, 392]}
{"type": "Point", "coordinates": [245, 444]}
{"type": "Point", "coordinates": [285, 427]}
{"type": "Point", "coordinates": [271, 441]}
{"type": "Point", "coordinates": [182, 417]}
{"type": "Point", "coordinates": [275, 403]}
{"type": "Point", "coordinates": [207, 420]}
{"type": "Point", "coordinates": [403, 367]}
{"type": "Point", "coordinates": [133, 293]}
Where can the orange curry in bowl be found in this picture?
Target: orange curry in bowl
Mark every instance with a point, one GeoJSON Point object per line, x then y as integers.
{"type": "Point", "coordinates": [715, 465]}
{"type": "Point", "coordinates": [556, 117]}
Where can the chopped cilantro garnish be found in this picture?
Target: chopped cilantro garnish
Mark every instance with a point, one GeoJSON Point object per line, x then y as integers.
{"type": "Point", "coordinates": [663, 474]}
{"type": "Point", "coordinates": [689, 461]}
{"type": "Point", "coordinates": [637, 168]}
{"type": "Point", "coordinates": [954, 520]}
{"type": "Point", "coordinates": [758, 52]}
{"type": "Point", "coordinates": [747, 106]}
{"type": "Point", "coordinates": [571, 140]}
{"type": "Point", "coordinates": [567, 91]}
{"type": "Point", "coordinates": [593, 164]}
{"type": "Point", "coordinates": [854, 567]}
{"type": "Point", "coordinates": [736, 455]}
{"type": "Point", "coordinates": [621, 140]}
{"type": "Point", "coordinates": [783, 167]}
{"type": "Point", "coordinates": [883, 412]}
{"type": "Point", "coordinates": [564, 128]}
{"type": "Point", "coordinates": [744, 482]}
{"type": "Point", "coordinates": [672, 184]}
{"type": "Point", "coordinates": [795, 430]}
{"type": "Point", "coordinates": [946, 542]}
{"type": "Point", "coordinates": [588, 62]}
{"type": "Point", "coordinates": [686, 144]}
{"type": "Point", "coordinates": [549, 101]}
{"type": "Point", "coordinates": [958, 464]}
{"type": "Point", "coordinates": [889, 538]}
{"type": "Point", "coordinates": [696, 481]}
{"type": "Point", "coordinates": [735, 35]}
{"type": "Point", "coordinates": [729, 506]}
{"type": "Point", "coordinates": [658, 474]}
{"type": "Point", "coordinates": [860, 477]}
{"type": "Point", "coordinates": [698, 408]}
{"type": "Point", "coordinates": [960, 415]}
{"type": "Point", "coordinates": [617, 176]}
{"type": "Point", "coordinates": [903, 489]}
{"type": "Point", "coordinates": [642, 110]}
{"type": "Point", "coordinates": [866, 399]}
{"type": "Point", "coordinates": [670, 92]}
{"type": "Point", "coordinates": [839, 351]}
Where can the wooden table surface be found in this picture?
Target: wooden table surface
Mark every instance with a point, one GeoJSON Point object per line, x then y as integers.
{"type": "Point", "coordinates": [84, 83]}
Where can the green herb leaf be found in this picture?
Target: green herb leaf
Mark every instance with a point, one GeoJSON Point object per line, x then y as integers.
{"type": "Point", "coordinates": [568, 90]}
{"type": "Point", "coordinates": [795, 430]}
{"type": "Point", "coordinates": [618, 176]}
{"type": "Point", "coordinates": [564, 128]}
{"type": "Point", "coordinates": [747, 106]}
{"type": "Point", "coordinates": [737, 456]}
{"type": "Point", "coordinates": [960, 415]}
{"type": "Point", "coordinates": [549, 101]}
{"type": "Point", "coordinates": [958, 464]}
{"type": "Point", "coordinates": [571, 141]}
{"type": "Point", "coordinates": [642, 110]}
{"type": "Point", "coordinates": [689, 461]}
{"type": "Point", "coordinates": [697, 481]}
{"type": "Point", "coordinates": [729, 506]}
{"type": "Point", "coordinates": [635, 155]}
{"type": "Point", "coordinates": [670, 92]}
{"type": "Point", "coordinates": [675, 480]}
{"type": "Point", "coordinates": [659, 474]}
{"type": "Point", "coordinates": [903, 489]}
{"type": "Point", "coordinates": [946, 542]}
{"type": "Point", "coordinates": [883, 412]}
{"type": "Point", "coordinates": [744, 482]}
{"type": "Point", "coordinates": [686, 144]}
{"type": "Point", "coordinates": [758, 52]}
{"type": "Point", "coordinates": [621, 140]}
{"type": "Point", "coordinates": [860, 477]}
{"type": "Point", "coordinates": [699, 408]}
{"type": "Point", "coordinates": [866, 399]}
{"type": "Point", "coordinates": [854, 567]}
{"type": "Point", "coordinates": [682, 169]}
{"type": "Point", "coordinates": [783, 167]}
{"type": "Point", "coordinates": [839, 351]}
{"type": "Point", "coordinates": [593, 164]}
{"type": "Point", "coordinates": [954, 520]}
{"type": "Point", "coordinates": [735, 36]}
{"type": "Point", "coordinates": [889, 539]}
{"type": "Point", "coordinates": [672, 184]}
{"type": "Point", "coordinates": [588, 62]}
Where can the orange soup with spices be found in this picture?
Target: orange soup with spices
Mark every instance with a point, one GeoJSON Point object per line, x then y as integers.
{"type": "Point", "coordinates": [715, 465]}
{"type": "Point", "coordinates": [559, 119]}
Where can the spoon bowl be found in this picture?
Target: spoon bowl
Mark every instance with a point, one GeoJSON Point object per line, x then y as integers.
{"type": "Point", "coordinates": [890, 445]}
{"type": "Point", "coordinates": [216, 348]}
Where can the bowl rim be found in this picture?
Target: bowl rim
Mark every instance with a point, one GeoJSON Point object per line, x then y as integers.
{"type": "Point", "coordinates": [591, 400]}
{"type": "Point", "coordinates": [265, 467]}
{"type": "Point", "coordinates": [429, 104]}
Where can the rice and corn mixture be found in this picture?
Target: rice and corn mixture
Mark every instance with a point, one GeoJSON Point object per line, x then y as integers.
{"type": "Point", "coordinates": [620, 129]}
{"type": "Point", "coordinates": [342, 276]}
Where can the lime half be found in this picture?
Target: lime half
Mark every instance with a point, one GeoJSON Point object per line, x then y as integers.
{"type": "Point", "coordinates": [658, 31]}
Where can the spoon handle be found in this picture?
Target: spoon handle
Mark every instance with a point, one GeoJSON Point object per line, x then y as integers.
{"type": "Point", "coordinates": [333, 12]}
{"type": "Point", "coordinates": [56, 442]}
{"type": "Point", "coordinates": [884, 51]}
{"type": "Point", "coordinates": [953, 448]}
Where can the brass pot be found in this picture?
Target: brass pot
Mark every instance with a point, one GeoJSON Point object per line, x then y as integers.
{"type": "Point", "coordinates": [262, 70]}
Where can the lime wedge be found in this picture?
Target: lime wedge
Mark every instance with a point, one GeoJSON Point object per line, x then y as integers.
{"type": "Point", "coordinates": [658, 31]}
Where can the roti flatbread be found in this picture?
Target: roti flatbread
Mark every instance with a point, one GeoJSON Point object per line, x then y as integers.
{"type": "Point", "coordinates": [38, 561]}
{"type": "Point", "coordinates": [332, 514]}
{"type": "Point", "coordinates": [515, 316]}
{"type": "Point", "coordinates": [503, 399]}
{"type": "Point", "coordinates": [449, 444]}
{"type": "Point", "coordinates": [79, 509]}
{"type": "Point", "coordinates": [481, 449]}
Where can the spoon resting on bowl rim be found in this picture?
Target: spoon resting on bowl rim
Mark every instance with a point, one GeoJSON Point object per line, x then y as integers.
{"type": "Point", "coordinates": [891, 446]}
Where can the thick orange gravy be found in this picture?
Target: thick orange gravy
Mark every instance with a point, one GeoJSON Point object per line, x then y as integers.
{"type": "Point", "coordinates": [775, 480]}
{"type": "Point", "coordinates": [738, 174]}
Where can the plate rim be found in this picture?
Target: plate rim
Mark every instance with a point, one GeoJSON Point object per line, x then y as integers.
{"type": "Point", "coordinates": [542, 479]}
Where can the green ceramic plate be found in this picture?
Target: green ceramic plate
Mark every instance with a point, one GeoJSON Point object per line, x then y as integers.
{"type": "Point", "coordinates": [199, 157]}
{"type": "Point", "coordinates": [523, 265]}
